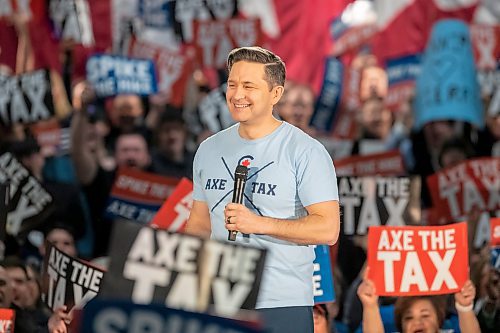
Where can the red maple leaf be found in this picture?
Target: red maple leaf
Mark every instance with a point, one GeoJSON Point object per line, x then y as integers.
{"type": "Point", "coordinates": [245, 163]}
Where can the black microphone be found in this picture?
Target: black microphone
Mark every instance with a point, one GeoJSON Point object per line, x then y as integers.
{"type": "Point", "coordinates": [240, 179]}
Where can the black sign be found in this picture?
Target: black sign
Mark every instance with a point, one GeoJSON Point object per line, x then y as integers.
{"type": "Point", "coordinates": [182, 271]}
{"type": "Point", "coordinates": [25, 98]}
{"type": "Point", "coordinates": [67, 280]}
{"type": "Point", "coordinates": [373, 201]}
{"type": "Point", "coordinates": [29, 202]}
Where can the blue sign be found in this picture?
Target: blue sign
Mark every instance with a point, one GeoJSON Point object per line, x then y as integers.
{"type": "Point", "coordinates": [495, 258]}
{"type": "Point", "coordinates": [156, 13]}
{"type": "Point", "coordinates": [447, 88]}
{"type": "Point", "coordinates": [404, 69]}
{"type": "Point", "coordinates": [122, 316]}
{"type": "Point", "coordinates": [114, 75]}
{"type": "Point", "coordinates": [131, 209]}
{"type": "Point", "coordinates": [322, 276]}
{"type": "Point", "coordinates": [329, 98]}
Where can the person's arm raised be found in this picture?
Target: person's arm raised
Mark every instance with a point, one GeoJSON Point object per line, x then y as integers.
{"type": "Point", "coordinates": [320, 226]}
{"type": "Point", "coordinates": [84, 160]}
{"type": "Point", "coordinates": [464, 302]}
{"type": "Point", "coordinates": [198, 223]}
{"type": "Point", "coordinates": [372, 321]}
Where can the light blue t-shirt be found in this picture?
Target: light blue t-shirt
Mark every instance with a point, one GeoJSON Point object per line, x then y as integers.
{"type": "Point", "coordinates": [288, 170]}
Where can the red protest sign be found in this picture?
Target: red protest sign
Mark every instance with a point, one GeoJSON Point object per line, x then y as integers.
{"type": "Point", "coordinates": [215, 39]}
{"type": "Point", "coordinates": [406, 261]}
{"type": "Point", "coordinates": [7, 317]}
{"type": "Point", "coordinates": [495, 232]}
{"type": "Point", "coordinates": [353, 38]}
{"type": "Point", "coordinates": [143, 186]}
{"type": "Point", "coordinates": [486, 46]}
{"type": "Point", "coordinates": [345, 125]}
{"type": "Point", "coordinates": [385, 164]}
{"type": "Point", "coordinates": [137, 195]}
{"type": "Point", "coordinates": [173, 67]}
{"type": "Point", "coordinates": [456, 190]}
{"type": "Point", "coordinates": [174, 213]}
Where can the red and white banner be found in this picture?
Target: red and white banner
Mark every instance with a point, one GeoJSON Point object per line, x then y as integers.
{"type": "Point", "coordinates": [486, 45]}
{"type": "Point", "coordinates": [7, 317]}
{"type": "Point", "coordinates": [174, 213]}
{"type": "Point", "coordinates": [173, 68]}
{"type": "Point", "coordinates": [215, 39]}
{"type": "Point", "coordinates": [51, 137]}
{"type": "Point", "coordinates": [384, 164]}
{"type": "Point", "coordinates": [137, 195]}
{"type": "Point", "coordinates": [407, 261]}
{"type": "Point", "coordinates": [353, 38]}
{"type": "Point", "coordinates": [457, 190]}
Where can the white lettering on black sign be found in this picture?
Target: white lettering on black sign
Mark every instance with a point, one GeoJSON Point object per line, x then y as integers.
{"type": "Point", "coordinates": [373, 201]}
{"type": "Point", "coordinates": [25, 98]}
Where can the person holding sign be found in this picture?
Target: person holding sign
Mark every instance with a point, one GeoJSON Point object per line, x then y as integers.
{"type": "Point", "coordinates": [418, 313]}
{"type": "Point", "coordinates": [290, 200]}
{"type": "Point", "coordinates": [130, 150]}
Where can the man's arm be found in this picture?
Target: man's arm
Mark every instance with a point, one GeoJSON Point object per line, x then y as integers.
{"type": "Point", "coordinates": [198, 223]}
{"type": "Point", "coordinates": [84, 160]}
{"type": "Point", "coordinates": [321, 226]}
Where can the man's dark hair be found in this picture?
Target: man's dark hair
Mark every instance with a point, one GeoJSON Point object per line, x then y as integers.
{"type": "Point", "coordinates": [171, 115]}
{"type": "Point", "coordinates": [14, 262]}
{"type": "Point", "coordinates": [136, 130]}
{"type": "Point", "coordinates": [274, 67]}
{"type": "Point", "coordinates": [56, 224]}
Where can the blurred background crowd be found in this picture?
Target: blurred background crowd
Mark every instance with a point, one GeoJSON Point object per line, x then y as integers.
{"type": "Point", "coordinates": [344, 86]}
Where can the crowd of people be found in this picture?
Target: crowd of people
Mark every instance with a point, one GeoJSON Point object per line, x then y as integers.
{"type": "Point", "coordinates": [144, 133]}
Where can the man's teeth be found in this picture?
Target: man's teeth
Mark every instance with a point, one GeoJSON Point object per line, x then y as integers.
{"type": "Point", "coordinates": [242, 105]}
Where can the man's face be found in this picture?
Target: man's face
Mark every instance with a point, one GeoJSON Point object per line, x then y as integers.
{"type": "Point", "coordinates": [437, 132]}
{"type": "Point", "coordinates": [131, 150]}
{"type": "Point", "coordinates": [248, 95]}
{"type": "Point", "coordinates": [172, 138]}
{"type": "Point", "coordinates": [126, 110]}
{"type": "Point", "coordinates": [298, 107]}
{"type": "Point", "coordinates": [6, 294]}
{"type": "Point", "coordinates": [376, 119]}
{"type": "Point", "coordinates": [19, 286]}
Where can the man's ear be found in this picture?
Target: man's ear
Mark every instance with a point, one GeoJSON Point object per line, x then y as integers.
{"type": "Point", "coordinates": [277, 92]}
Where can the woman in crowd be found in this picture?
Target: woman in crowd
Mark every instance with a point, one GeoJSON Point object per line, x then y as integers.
{"type": "Point", "coordinates": [418, 314]}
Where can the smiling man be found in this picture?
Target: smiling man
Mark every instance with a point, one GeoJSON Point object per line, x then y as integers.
{"type": "Point", "coordinates": [290, 199]}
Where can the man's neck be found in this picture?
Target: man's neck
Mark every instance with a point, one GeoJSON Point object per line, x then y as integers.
{"type": "Point", "coordinates": [253, 132]}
